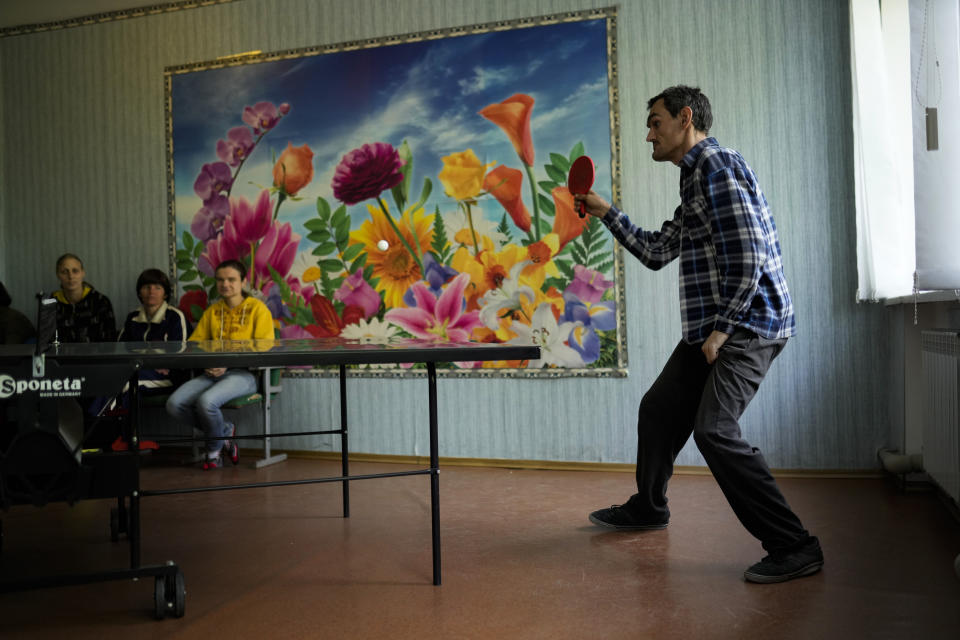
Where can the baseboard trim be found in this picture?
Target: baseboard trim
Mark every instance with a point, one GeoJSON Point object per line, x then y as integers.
{"type": "Point", "coordinates": [559, 465]}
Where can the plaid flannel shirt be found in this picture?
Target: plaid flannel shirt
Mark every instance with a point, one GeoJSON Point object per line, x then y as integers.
{"type": "Point", "coordinates": [731, 272]}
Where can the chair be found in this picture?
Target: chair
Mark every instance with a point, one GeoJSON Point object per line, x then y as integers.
{"type": "Point", "coordinates": [269, 387]}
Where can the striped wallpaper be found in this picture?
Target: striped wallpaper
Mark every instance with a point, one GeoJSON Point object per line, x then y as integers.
{"type": "Point", "coordinates": [82, 169]}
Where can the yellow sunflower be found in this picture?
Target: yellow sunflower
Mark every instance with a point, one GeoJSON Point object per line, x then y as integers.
{"type": "Point", "coordinates": [395, 267]}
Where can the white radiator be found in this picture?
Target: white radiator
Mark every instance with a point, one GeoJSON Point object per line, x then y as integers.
{"type": "Point", "coordinates": [941, 409]}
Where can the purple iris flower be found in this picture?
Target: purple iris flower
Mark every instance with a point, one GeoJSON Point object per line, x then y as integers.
{"type": "Point", "coordinates": [236, 147]}
{"type": "Point", "coordinates": [274, 302]}
{"type": "Point", "coordinates": [436, 275]}
{"type": "Point", "coordinates": [214, 178]}
{"type": "Point", "coordinates": [589, 318]}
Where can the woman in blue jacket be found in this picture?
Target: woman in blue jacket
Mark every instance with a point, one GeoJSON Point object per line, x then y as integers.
{"type": "Point", "coordinates": [154, 321]}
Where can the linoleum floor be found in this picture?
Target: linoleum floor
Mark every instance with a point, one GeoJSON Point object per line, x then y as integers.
{"type": "Point", "coordinates": [520, 560]}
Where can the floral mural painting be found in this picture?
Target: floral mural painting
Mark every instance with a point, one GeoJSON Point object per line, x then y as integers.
{"type": "Point", "coordinates": [410, 188]}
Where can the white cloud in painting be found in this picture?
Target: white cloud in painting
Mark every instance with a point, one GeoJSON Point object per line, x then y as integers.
{"type": "Point", "coordinates": [484, 78]}
{"type": "Point", "coordinates": [583, 99]}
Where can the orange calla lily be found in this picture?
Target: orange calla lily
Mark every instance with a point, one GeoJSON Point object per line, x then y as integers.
{"type": "Point", "coordinates": [505, 183]}
{"type": "Point", "coordinates": [513, 116]}
{"type": "Point", "coordinates": [567, 223]}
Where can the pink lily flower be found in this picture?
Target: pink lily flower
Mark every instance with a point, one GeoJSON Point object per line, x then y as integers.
{"type": "Point", "coordinates": [438, 319]}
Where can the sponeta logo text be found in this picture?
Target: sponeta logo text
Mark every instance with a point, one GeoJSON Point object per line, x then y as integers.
{"type": "Point", "coordinates": [7, 386]}
{"type": "Point", "coordinates": [45, 386]}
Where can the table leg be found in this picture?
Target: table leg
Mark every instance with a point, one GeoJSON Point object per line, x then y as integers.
{"type": "Point", "coordinates": [133, 528]}
{"type": "Point", "coordinates": [344, 447]}
{"type": "Point", "coordinates": [434, 471]}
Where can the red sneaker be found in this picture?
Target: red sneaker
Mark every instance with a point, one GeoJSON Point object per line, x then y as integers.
{"type": "Point", "coordinates": [213, 463]}
{"type": "Point", "coordinates": [230, 448]}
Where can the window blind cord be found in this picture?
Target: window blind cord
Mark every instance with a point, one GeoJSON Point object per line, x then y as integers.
{"type": "Point", "coordinates": [928, 17]}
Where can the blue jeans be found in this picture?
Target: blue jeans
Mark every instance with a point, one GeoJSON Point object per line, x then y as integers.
{"type": "Point", "coordinates": [197, 402]}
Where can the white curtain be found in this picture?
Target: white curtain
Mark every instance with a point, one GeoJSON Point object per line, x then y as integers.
{"type": "Point", "coordinates": [883, 147]}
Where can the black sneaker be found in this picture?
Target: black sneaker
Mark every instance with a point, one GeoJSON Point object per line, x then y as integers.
{"type": "Point", "coordinates": [616, 517]}
{"type": "Point", "coordinates": [780, 567]}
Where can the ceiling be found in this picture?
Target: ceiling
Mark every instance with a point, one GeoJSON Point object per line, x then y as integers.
{"type": "Point", "coordinates": [21, 12]}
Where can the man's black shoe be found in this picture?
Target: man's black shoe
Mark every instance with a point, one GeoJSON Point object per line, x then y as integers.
{"type": "Point", "coordinates": [616, 517]}
{"type": "Point", "coordinates": [780, 567]}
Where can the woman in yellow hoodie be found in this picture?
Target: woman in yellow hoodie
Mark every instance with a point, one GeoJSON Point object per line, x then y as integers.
{"type": "Point", "coordinates": [197, 402]}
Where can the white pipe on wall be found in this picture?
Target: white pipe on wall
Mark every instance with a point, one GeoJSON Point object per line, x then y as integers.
{"type": "Point", "coordinates": [896, 462]}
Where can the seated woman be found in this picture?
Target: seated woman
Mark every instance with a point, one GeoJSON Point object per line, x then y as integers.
{"type": "Point", "coordinates": [15, 328]}
{"type": "Point", "coordinates": [83, 314]}
{"type": "Point", "coordinates": [154, 321]}
{"type": "Point", "coordinates": [236, 316]}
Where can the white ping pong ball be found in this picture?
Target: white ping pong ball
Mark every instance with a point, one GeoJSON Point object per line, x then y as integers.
{"type": "Point", "coordinates": [383, 245]}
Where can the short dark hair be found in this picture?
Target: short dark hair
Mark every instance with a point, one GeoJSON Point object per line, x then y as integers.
{"type": "Point", "coordinates": [233, 264]}
{"type": "Point", "coordinates": [154, 276]}
{"type": "Point", "coordinates": [680, 96]}
{"type": "Point", "coordinates": [68, 256]}
{"type": "Point", "coordinates": [5, 300]}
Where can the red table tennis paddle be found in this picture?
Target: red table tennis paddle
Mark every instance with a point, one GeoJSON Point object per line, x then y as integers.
{"type": "Point", "coordinates": [580, 178]}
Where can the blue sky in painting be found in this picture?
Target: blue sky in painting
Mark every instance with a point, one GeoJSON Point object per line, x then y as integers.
{"type": "Point", "coordinates": [427, 93]}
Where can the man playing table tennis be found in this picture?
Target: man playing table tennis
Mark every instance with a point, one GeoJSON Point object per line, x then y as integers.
{"type": "Point", "coordinates": [736, 316]}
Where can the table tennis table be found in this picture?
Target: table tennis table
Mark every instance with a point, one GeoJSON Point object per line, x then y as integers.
{"type": "Point", "coordinates": [42, 457]}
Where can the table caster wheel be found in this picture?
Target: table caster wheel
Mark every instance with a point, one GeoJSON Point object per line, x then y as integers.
{"type": "Point", "coordinates": [179, 595]}
{"type": "Point", "coordinates": [169, 596]}
{"type": "Point", "coordinates": [159, 597]}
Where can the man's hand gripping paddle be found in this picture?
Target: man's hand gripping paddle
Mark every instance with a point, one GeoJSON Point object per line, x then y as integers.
{"type": "Point", "coordinates": [580, 178]}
